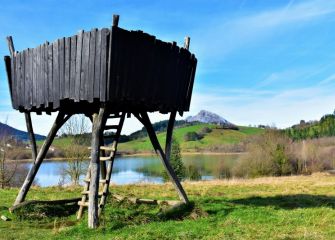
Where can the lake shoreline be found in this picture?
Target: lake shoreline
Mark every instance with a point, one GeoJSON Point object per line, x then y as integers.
{"type": "Point", "coordinates": [144, 154]}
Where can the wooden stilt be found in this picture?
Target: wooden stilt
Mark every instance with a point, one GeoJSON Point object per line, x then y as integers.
{"type": "Point", "coordinates": [169, 133]}
{"type": "Point", "coordinates": [144, 119]}
{"type": "Point", "coordinates": [97, 131]}
{"type": "Point", "coordinates": [60, 120]}
{"type": "Point", "coordinates": [31, 135]}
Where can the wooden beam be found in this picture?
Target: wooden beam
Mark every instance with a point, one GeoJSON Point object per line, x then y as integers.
{"type": "Point", "coordinates": [31, 136]}
{"type": "Point", "coordinates": [60, 120]}
{"type": "Point", "coordinates": [11, 45]}
{"type": "Point", "coordinates": [169, 133]}
{"type": "Point", "coordinates": [144, 119]}
{"type": "Point", "coordinates": [187, 42]}
{"type": "Point", "coordinates": [97, 130]}
{"type": "Point", "coordinates": [116, 20]}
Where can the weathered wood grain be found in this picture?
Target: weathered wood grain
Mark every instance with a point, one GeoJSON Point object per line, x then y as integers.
{"type": "Point", "coordinates": [78, 65]}
{"type": "Point", "coordinates": [97, 66]}
{"type": "Point", "coordinates": [129, 69]}
{"type": "Point", "coordinates": [50, 73]}
{"type": "Point", "coordinates": [103, 63]}
{"type": "Point", "coordinates": [91, 66]}
{"type": "Point", "coordinates": [67, 62]}
{"type": "Point", "coordinates": [55, 74]}
{"type": "Point", "coordinates": [73, 66]}
{"type": "Point", "coordinates": [85, 66]}
{"type": "Point", "coordinates": [61, 57]}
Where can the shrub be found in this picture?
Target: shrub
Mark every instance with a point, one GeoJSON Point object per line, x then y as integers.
{"type": "Point", "coordinates": [205, 130]}
{"type": "Point", "coordinates": [192, 136]}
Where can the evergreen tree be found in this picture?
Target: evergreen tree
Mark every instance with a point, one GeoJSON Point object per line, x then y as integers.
{"type": "Point", "coordinates": [176, 161]}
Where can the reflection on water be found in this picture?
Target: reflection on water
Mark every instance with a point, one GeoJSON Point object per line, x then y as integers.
{"type": "Point", "coordinates": [129, 170]}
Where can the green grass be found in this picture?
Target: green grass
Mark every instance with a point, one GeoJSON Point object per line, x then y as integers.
{"type": "Point", "coordinates": [59, 143]}
{"type": "Point", "coordinates": [212, 141]}
{"type": "Point", "coordinates": [265, 208]}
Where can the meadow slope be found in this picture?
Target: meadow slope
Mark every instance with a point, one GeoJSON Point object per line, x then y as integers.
{"type": "Point", "coordinates": [299, 207]}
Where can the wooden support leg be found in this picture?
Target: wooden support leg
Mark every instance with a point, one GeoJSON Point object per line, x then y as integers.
{"type": "Point", "coordinates": [169, 133]}
{"type": "Point", "coordinates": [97, 131]}
{"type": "Point", "coordinates": [31, 136]}
{"type": "Point", "coordinates": [144, 119]}
{"type": "Point", "coordinates": [103, 167]}
{"type": "Point", "coordinates": [60, 120]}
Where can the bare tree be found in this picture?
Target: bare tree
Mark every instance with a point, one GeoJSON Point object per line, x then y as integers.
{"type": "Point", "coordinates": [7, 170]}
{"type": "Point", "coordinates": [76, 151]}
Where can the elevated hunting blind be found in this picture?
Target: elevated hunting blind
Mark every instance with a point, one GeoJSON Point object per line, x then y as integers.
{"type": "Point", "coordinates": [103, 73]}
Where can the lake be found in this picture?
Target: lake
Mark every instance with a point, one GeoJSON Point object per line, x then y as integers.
{"type": "Point", "coordinates": [137, 169]}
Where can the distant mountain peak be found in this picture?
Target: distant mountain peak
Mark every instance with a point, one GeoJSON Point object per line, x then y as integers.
{"type": "Point", "coordinates": [205, 116]}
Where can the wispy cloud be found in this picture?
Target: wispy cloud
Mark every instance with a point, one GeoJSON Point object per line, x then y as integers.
{"type": "Point", "coordinates": [225, 35]}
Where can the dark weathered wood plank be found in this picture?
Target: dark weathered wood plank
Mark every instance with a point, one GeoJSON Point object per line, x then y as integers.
{"type": "Point", "coordinates": [30, 79]}
{"type": "Point", "coordinates": [17, 78]}
{"type": "Point", "coordinates": [45, 75]}
{"type": "Point", "coordinates": [34, 98]}
{"type": "Point", "coordinates": [97, 69]}
{"type": "Point", "coordinates": [91, 78]}
{"type": "Point", "coordinates": [67, 63]}
{"type": "Point", "coordinates": [13, 77]}
{"type": "Point", "coordinates": [85, 66]}
{"type": "Point", "coordinates": [38, 76]}
{"type": "Point", "coordinates": [73, 66]}
{"type": "Point", "coordinates": [61, 57]}
{"type": "Point", "coordinates": [9, 76]}
{"type": "Point", "coordinates": [78, 65]}
{"type": "Point", "coordinates": [103, 63]}
{"type": "Point", "coordinates": [109, 57]}
{"type": "Point", "coordinates": [55, 75]}
{"type": "Point", "coordinates": [21, 93]}
{"type": "Point", "coordinates": [50, 73]}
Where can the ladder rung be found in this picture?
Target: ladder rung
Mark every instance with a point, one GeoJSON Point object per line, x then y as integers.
{"type": "Point", "coordinates": [105, 148]}
{"type": "Point", "coordinates": [108, 127]}
{"type": "Point", "coordinates": [116, 115]}
{"type": "Point", "coordinates": [100, 181]}
{"type": "Point", "coordinates": [84, 204]}
{"type": "Point", "coordinates": [104, 158]}
{"type": "Point", "coordinates": [88, 192]}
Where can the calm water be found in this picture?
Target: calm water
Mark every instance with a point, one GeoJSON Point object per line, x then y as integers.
{"type": "Point", "coordinates": [128, 170]}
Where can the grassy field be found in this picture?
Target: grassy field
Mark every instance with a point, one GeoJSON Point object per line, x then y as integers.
{"type": "Point", "coordinates": [265, 208]}
{"type": "Point", "coordinates": [211, 141]}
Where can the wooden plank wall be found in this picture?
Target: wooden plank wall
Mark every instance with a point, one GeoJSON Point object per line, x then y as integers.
{"type": "Point", "coordinates": [130, 69]}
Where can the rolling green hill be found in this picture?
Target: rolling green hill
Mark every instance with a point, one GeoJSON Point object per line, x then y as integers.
{"type": "Point", "coordinates": [216, 140]}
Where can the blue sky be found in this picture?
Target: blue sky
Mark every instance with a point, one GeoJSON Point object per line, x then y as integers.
{"type": "Point", "coordinates": [259, 61]}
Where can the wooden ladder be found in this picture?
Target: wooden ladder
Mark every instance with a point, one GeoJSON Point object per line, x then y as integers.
{"type": "Point", "coordinates": [110, 161]}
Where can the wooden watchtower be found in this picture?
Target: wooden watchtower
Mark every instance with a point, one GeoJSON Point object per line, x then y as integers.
{"type": "Point", "coordinates": [103, 73]}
